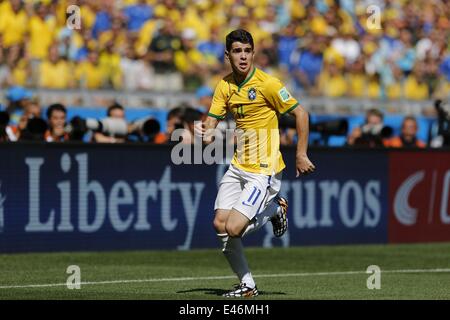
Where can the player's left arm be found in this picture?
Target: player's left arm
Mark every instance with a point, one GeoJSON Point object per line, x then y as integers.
{"type": "Point", "coordinates": [302, 162]}
{"type": "Point", "coordinates": [280, 98]}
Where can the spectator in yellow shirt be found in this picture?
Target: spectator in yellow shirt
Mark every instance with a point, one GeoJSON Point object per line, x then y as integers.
{"type": "Point", "coordinates": [331, 81]}
{"type": "Point", "coordinates": [190, 19]}
{"type": "Point", "coordinates": [357, 79]}
{"type": "Point", "coordinates": [41, 29]}
{"type": "Point", "coordinates": [394, 89]}
{"type": "Point", "coordinates": [213, 15]}
{"type": "Point", "coordinates": [5, 8]}
{"type": "Point", "coordinates": [373, 87]}
{"type": "Point", "coordinates": [17, 66]}
{"type": "Point", "coordinates": [88, 14]}
{"type": "Point", "coordinates": [442, 90]}
{"type": "Point", "coordinates": [145, 36]}
{"type": "Point", "coordinates": [54, 72]}
{"type": "Point", "coordinates": [13, 24]}
{"type": "Point", "coordinates": [167, 9]}
{"type": "Point", "coordinates": [90, 74]}
{"type": "Point", "coordinates": [21, 72]}
{"type": "Point", "coordinates": [189, 60]}
{"type": "Point", "coordinates": [42, 33]}
{"type": "Point", "coordinates": [213, 50]}
{"type": "Point", "coordinates": [117, 35]}
{"type": "Point", "coordinates": [415, 88]}
{"type": "Point", "coordinates": [110, 62]}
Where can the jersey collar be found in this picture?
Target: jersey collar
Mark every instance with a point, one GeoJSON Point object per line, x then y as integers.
{"type": "Point", "coordinates": [246, 79]}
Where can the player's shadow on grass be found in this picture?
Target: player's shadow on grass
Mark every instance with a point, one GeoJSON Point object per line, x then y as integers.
{"type": "Point", "coordinates": [220, 292]}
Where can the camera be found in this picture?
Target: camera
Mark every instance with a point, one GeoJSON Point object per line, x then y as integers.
{"type": "Point", "coordinates": [373, 135]}
{"type": "Point", "coordinates": [378, 130]}
{"type": "Point", "coordinates": [336, 127]}
{"type": "Point", "coordinates": [35, 130]}
{"type": "Point", "coordinates": [78, 127]}
{"type": "Point", "coordinates": [144, 130]}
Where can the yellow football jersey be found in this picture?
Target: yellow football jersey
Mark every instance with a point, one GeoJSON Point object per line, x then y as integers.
{"type": "Point", "coordinates": [255, 105]}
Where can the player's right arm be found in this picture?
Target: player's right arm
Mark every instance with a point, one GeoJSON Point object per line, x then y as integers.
{"type": "Point", "coordinates": [216, 113]}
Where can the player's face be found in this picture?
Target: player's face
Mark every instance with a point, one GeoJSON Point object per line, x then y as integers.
{"type": "Point", "coordinates": [241, 57]}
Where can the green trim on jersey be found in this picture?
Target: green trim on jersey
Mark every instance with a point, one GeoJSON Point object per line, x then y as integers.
{"type": "Point", "coordinates": [215, 116]}
{"type": "Point", "coordinates": [247, 79]}
{"type": "Point", "coordinates": [291, 108]}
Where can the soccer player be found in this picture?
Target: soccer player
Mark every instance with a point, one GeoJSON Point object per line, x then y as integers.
{"type": "Point", "coordinates": [247, 196]}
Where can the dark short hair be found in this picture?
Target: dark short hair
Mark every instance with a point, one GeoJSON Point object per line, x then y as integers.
{"type": "Point", "coordinates": [112, 107]}
{"type": "Point", "coordinates": [175, 112]}
{"type": "Point", "coordinates": [409, 117]}
{"type": "Point", "coordinates": [375, 112]}
{"type": "Point", "coordinates": [239, 35]}
{"type": "Point", "coordinates": [190, 115]}
{"type": "Point", "coordinates": [55, 107]}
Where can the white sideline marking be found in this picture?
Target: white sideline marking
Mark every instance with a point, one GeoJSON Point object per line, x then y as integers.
{"type": "Point", "coordinates": [305, 274]}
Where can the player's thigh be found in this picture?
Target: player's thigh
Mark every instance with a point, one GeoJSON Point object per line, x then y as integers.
{"type": "Point", "coordinates": [230, 189]}
{"type": "Point", "coordinates": [253, 195]}
{"type": "Point", "coordinates": [227, 196]}
{"type": "Point", "coordinates": [274, 187]}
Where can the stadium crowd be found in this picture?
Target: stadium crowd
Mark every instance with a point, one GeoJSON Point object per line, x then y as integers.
{"type": "Point", "coordinates": [330, 48]}
{"type": "Point", "coordinates": [53, 125]}
{"type": "Point", "coordinates": [322, 47]}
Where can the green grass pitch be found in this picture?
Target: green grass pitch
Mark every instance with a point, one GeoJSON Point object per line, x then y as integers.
{"type": "Point", "coordinates": [410, 271]}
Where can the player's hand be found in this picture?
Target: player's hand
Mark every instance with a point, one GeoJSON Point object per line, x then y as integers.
{"type": "Point", "coordinates": [199, 129]}
{"type": "Point", "coordinates": [304, 165]}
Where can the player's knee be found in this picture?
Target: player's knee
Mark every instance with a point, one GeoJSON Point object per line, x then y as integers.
{"type": "Point", "coordinates": [233, 230]}
{"type": "Point", "coordinates": [219, 225]}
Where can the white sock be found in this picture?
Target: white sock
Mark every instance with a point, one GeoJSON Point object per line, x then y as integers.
{"type": "Point", "coordinates": [234, 252]}
{"type": "Point", "coordinates": [262, 218]}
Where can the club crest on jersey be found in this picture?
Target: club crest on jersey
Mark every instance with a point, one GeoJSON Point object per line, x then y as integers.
{"type": "Point", "coordinates": [252, 94]}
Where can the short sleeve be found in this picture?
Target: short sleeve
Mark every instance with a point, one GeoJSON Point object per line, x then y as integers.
{"type": "Point", "coordinates": [218, 106]}
{"type": "Point", "coordinates": [279, 97]}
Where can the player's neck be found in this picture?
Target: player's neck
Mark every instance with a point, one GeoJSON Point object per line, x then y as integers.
{"type": "Point", "coordinates": [241, 78]}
